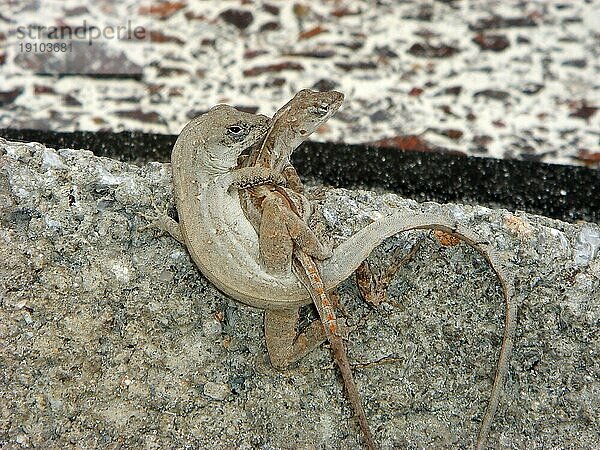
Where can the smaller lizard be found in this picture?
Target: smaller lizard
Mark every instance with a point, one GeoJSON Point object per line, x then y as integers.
{"type": "Point", "coordinates": [279, 214]}
{"type": "Point", "coordinates": [284, 233]}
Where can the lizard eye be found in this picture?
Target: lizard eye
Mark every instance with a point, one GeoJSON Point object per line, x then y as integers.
{"type": "Point", "coordinates": [235, 129]}
{"type": "Point", "coordinates": [322, 109]}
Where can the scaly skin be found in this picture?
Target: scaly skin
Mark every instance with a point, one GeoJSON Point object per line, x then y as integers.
{"type": "Point", "coordinates": [279, 216]}
{"type": "Point", "coordinates": [225, 246]}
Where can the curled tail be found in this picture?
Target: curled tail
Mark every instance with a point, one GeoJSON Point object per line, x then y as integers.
{"type": "Point", "coordinates": [349, 255]}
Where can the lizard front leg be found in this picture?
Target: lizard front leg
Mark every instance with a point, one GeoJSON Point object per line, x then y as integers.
{"type": "Point", "coordinates": [293, 180]}
{"type": "Point", "coordinates": [284, 344]}
{"type": "Point", "coordinates": [162, 221]}
{"type": "Point", "coordinates": [240, 178]}
{"type": "Point", "coordinates": [248, 177]}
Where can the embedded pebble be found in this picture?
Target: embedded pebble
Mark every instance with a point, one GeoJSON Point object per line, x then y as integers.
{"type": "Point", "coordinates": [216, 391]}
{"type": "Point", "coordinates": [212, 327]}
{"type": "Point", "coordinates": [587, 244]}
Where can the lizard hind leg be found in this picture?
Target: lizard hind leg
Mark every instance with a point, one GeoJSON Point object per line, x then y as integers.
{"type": "Point", "coordinates": [284, 344]}
{"type": "Point", "coordinates": [373, 287]}
{"type": "Point", "coordinates": [298, 229]}
{"type": "Point", "coordinates": [280, 229]}
{"type": "Point", "coordinates": [274, 241]}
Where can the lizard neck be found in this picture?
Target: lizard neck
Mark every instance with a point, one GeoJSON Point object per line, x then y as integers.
{"type": "Point", "coordinates": [276, 144]}
{"type": "Point", "coordinates": [277, 150]}
{"type": "Point", "coordinates": [206, 166]}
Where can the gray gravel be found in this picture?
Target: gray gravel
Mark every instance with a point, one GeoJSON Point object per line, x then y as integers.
{"type": "Point", "coordinates": [111, 338]}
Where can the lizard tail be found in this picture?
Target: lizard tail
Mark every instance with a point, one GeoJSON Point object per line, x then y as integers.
{"type": "Point", "coordinates": [510, 324]}
{"type": "Point", "coordinates": [349, 255]}
{"type": "Point", "coordinates": [354, 250]}
{"type": "Point", "coordinates": [309, 274]}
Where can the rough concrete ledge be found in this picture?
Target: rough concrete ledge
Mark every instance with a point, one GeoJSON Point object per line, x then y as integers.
{"type": "Point", "coordinates": [110, 337]}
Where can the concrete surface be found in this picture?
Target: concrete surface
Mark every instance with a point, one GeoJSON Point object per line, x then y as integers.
{"type": "Point", "coordinates": [111, 338]}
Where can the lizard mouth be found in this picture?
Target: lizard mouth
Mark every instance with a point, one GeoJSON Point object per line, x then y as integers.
{"type": "Point", "coordinates": [244, 155]}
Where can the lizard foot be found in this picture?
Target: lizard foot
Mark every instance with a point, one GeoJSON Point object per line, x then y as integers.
{"type": "Point", "coordinates": [160, 220]}
{"type": "Point", "coordinates": [284, 344]}
{"type": "Point", "coordinates": [373, 288]}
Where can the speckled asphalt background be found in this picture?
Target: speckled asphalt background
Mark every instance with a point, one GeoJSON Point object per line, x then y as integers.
{"type": "Point", "coordinates": [508, 79]}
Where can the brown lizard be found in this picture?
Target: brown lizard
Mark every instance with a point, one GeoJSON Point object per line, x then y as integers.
{"type": "Point", "coordinates": [224, 244]}
{"type": "Point", "coordinates": [281, 223]}
{"type": "Point", "coordinates": [279, 214]}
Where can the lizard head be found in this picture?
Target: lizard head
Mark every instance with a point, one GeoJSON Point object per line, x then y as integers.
{"type": "Point", "coordinates": [222, 133]}
{"type": "Point", "coordinates": [310, 109]}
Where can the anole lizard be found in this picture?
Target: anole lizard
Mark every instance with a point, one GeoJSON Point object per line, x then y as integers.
{"type": "Point", "coordinates": [224, 245]}
{"type": "Point", "coordinates": [278, 213]}
{"type": "Point", "coordinates": [283, 234]}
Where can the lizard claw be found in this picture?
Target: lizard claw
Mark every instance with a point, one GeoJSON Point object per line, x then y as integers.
{"type": "Point", "coordinates": [280, 180]}
{"type": "Point", "coordinates": [161, 221]}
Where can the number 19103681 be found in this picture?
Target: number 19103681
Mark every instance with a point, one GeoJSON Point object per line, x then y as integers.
{"type": "Point", "coordinates": [45, 47]}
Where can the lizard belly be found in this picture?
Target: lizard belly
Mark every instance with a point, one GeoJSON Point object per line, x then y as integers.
{"type": "Point", "coordinates": [224, 245]}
